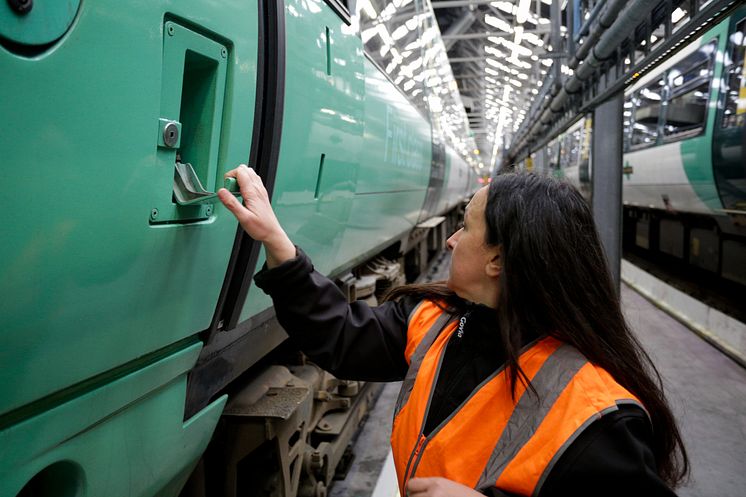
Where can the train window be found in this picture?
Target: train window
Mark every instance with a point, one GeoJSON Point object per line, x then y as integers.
{"type": "Point", "coordinates": [586, 136]}
{"type": "Point", "coordinates": [686, 112]}
{"type": "Point", "coordinates": [647, 108]}
{"type": "Point", "coordinates": [553, 155]}
{"type": "Point", "coordinates": [391, 35]}
{"type": "Point", "coordinates": [734, 76]}
{"type": "Point", "coordinates": [626, 137]}
{"type": "Point", "coordinates": [342, 8]}
{"type": "Point", "coordinates": [570, 149]}
{"type": "Point", "coordinates": [689, 89]}
{"type": "Point", "coordinates": [565, 149]}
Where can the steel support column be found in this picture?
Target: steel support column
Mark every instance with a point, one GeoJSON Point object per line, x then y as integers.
{"type": "Point", "coordinates": [556, 38]}
{"type": "Point", "coordinates": [606, 177]}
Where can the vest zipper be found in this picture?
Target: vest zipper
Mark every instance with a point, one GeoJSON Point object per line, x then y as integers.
{"type": "Point", "coordinates": [415, 454]}
{"type": "Point", "coordinates": [422, 440]}
{"type": "Point", "coordinates": [419, 456]}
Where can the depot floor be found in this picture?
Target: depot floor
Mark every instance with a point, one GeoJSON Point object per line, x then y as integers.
{"type": "Point", "coordinates": [706, 389]}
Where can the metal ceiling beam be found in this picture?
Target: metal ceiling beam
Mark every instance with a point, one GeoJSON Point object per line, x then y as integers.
{"type": "Point", "coordinates": [467, 76]}
{"type": "Point", "coordinates": [447, 4]}
{"type": "Point", "coordinates": [460, 26]}
{"type": "Point", "coordinates": [498, 13]}
{"type": "Point", "coordinates": [497, 34]}
{"type": "Point", "coordinates": [466, 59]}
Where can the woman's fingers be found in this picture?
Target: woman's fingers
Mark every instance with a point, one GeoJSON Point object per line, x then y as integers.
{"type": "Point", "coordinates": [249, 183]}
{"type": "Point", "coordinates": [234, 172]}
{"type": "Point", "coordinates": [418, 486]}
{"type": "Point", "coordinates": [257, 217]}
{"type": "Point", "coordinates": [256, 214]}
{"type": "Point", "coordinates": [438, 487]}
{"type": "Point", "coordinates": [233, 205]}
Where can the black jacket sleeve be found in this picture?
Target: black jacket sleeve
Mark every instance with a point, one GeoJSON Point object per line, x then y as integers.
{"type": "Point", "coordinates": [352, 341]}
{"type": "Point", "coordinates": [612, 457]}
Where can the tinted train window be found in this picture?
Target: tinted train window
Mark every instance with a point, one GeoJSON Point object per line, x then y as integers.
{"type": "Point", "coordinates": [391, 34]}
{"type": "Point", "coordinates": [570, 149]}
{"type": "Point", "coordinates": [628, 105]}
{"type": "Point", "coordinates": [647, 109]}
{"type": "Point", "coordinates": [342, 8]}
{"type": "Point", "coordinates": [689, 90]}
{"type": "Point", "coordinates": [734, 113]}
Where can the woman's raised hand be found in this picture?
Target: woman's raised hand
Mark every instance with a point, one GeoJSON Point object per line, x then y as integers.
{"type": "Point", "coordinates": [256, 215]}
{"type": "Point", "coordinates": [438, 487]}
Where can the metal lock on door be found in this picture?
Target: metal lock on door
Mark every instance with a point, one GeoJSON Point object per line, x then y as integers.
{"type": "Point", "coordinates": [190, 126]}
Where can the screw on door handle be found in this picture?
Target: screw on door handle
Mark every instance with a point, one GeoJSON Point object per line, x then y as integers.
{"type": "Point", "coordinates": [188, 189]}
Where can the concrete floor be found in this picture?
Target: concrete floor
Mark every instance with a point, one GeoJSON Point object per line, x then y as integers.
{"type": "Point", "coordinates": [706, 390]}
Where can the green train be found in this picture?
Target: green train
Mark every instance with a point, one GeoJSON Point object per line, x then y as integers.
{"type": "Point", "coordinates": [132, 338]}
{"type": "Point", "coordinates": [684, 176]}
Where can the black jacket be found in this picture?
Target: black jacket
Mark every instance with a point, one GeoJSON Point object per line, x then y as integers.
{"type": "Point", "coordinates": [612, 457]}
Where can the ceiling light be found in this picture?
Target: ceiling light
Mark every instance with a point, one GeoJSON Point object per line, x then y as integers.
{"type": "Point", "coordinates": [498, 23]}
{"type": "Point", "coordinates": [365, 6]}
{"type": "Point", "coordinates": [519, 49]}
{"type": "Point", "coordinates": [400, 32]}
{"type": "Point", "coordinates": [523, 10]}
{"type": "Point", "coordinates": [677, 15]}
{"type": "Point", "coordinates": [518, 35]}
{"type": "Point", "coordinates": [493, 51]}
{"type": "Point", "coordinates": [533, 39]}
{"type": "Point", "coordinates": [507, 7]}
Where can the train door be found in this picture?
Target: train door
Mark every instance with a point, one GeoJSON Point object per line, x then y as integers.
{"type": "Point", "coordinates": [307, 138]}
{"type": "Point", "coordinates": [729, 135]}
{"type": "Point", "coordinates": [102, 261]}
{"type": "Point", "coordinates": [114, 121]}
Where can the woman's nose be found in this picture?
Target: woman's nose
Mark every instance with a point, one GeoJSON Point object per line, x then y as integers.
{"type": "Point", "coordinates": [451, 242]}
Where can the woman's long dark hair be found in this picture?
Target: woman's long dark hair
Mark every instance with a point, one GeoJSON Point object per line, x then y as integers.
{"type": "Point", "coordinates": [555, 281]}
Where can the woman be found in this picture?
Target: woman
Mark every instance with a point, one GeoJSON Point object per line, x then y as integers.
{"type": "Point", "coordinates": [520, 374]}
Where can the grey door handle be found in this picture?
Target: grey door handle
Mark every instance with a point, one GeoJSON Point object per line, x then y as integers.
{"type": "Point", "coordinates": [188, 189]}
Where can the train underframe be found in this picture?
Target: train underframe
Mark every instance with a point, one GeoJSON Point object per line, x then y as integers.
{"type": "Point", "coordinates": [712, 246]}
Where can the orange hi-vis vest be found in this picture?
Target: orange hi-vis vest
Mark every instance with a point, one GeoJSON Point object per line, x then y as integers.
{"type": "Point", "coordinates": [490, 440]}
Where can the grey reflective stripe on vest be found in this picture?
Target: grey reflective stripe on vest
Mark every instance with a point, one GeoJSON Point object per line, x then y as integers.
{"type": "Point", "coordinates": [419, 354]}
{"type": "Point", "coordinates": [574, 437]}
{"type": "Point", "coordinates": [550, 381]}
{"type": "Point", "coordinates": [413, 312]}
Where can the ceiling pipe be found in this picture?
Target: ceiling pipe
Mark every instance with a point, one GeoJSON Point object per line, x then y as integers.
{"type": "Point", "coordinates": [610, 29]}
{"type": "Point", "coordinates": [599, 25]}
{"type": "Point", "coordinates": [589, 22]}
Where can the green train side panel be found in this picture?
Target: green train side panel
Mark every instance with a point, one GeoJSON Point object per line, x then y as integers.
{"type": "Point", "coordinates": [394, 168]}
{"type": "Point", "coordinates": [729, 154]}
{"type": "Point", "coordinates": [447, 193]}
{"type": "Point", "coordinates": [125, 439]}
{"type": "Point", "coordinates": [376, 148]}
{"type": "Point", "coordinates": [323, 115]}
{"type": "Point", "coordinates": [91, 276]}
{"type": "Point", "coordinates": [696, 153]}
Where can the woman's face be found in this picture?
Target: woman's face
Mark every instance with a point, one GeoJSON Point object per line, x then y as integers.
{"type": "Point", "coordinates": [475, 267]}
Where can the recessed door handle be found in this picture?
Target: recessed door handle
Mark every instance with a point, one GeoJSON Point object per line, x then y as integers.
{"type": "Point", "coordinates": [188, 189]}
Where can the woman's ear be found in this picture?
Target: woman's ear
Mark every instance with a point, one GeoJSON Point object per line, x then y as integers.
{"type": "Point", "coordinates": [495, 265]}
